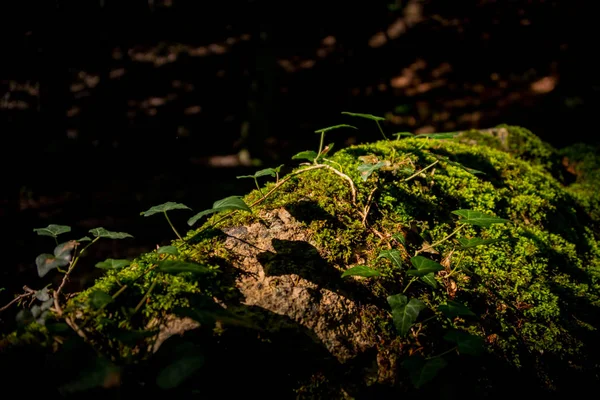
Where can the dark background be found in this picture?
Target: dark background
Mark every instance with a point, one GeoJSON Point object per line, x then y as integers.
{"type": "Point", "coordinates": [110, 107]}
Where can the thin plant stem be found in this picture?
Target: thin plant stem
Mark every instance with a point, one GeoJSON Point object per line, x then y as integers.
{"type": "Point", "coordinates": [421, 171]}
{"type": "Point", "coordinates": [381, 130]}
{"type": "Point", "coordinates": [320, 147]}
{"type": "Point", "coordinates": [141, 303]}
{"type": "Point", "coordinates": [409, 283]}
{"type": "Point", "coordinates": [443, 354]}
{"type": "Point", "coordinates": [454, 232]}
{"type": "Point", "coordinates": [172, 227]}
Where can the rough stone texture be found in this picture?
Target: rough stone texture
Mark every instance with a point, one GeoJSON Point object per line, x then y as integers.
{"type": "Point", "coordinates": [335, 319]}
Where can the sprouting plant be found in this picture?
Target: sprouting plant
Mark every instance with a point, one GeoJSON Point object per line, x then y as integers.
{"type": "Point", "coordinates": [263, 172]}
{"type": "Point", "coordinates": [371, 117]}
{"type": "Point", "coordinates": [164, 208]}
{"type": "Point", "coordinates": [313, 157]}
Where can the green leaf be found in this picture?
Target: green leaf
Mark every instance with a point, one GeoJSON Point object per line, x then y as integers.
{"type": "Point", "coordinates": [424, 266]}
{"type": "Point", "coordinates": [258, 174]}
{"type": "Point", "coordinates": [459, 165]}
{"type": "Point", "coordinates": [109, 263]}
{"type": "Point", "coordinates": [421, 370]}
{"type": "Point", "coordinates": [429, 279]}
{"type": "Point", "coordinates": [172, 250]}
{"type": "Point", "coordinates": [84, 239]}
{"type": "Point", "coordinates": [42, 295]}
{"type": "Point", "coordinates": [62, 257]}
{"type": "Point", "coordinates": [228, 203]}
{"type": "Point", "coordinates": [95, 374]}
{"type": "Point", "coordinates": [366, 116]}
{"type": "Point", "coordinates": [176, 267]}
{"type": "Point", "coordinates": [133, 338]}
{"type": "Point", "coordinates": [400, 238]}
{"type": "Point", "coordinates": [361, 270]}
{"type": "Point", "coordinates": [103, 233]}
{"type": "Point", "coordinates": [330, 128]}
{"type": "Point", "coordinates": [402, 134]}
{"type": "Point", "coordinates": [469, 243]}
{"type": "Point", "coordinates": [445, 135]}
{"type": "Point", "coordinates": [305, 155]}
{"type": "Point", "coordinates": [207, 316]}
{"type": "Point", "coordinates": [58, 328]}
{"type": "Point", "coordinates": [404, 312]}
{"type": "Point", "coordinates": [393, 255]}
{"type": "Point", "coordinates": [24, 317]}
{"type": "Point", "coordinates": [467, 343]}
{"type": "Point", "coordinates": [52, 230]}
{"type": "Point", "coordinates": [168, 206]}
{"type": "Point", "coordinates": [453, 309]}
{"type": "Point", "coordinates": [99, 299]}
{"type": "Point", "coordinates": [478, 218]}
{"type": "Point", "coordinates": [190, 359]}
{"type": "Point", "coordinates": [367, 169]}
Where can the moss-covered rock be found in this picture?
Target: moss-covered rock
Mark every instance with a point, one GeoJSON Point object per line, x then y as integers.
{"type": "Point", "coordinates": [287, 317]}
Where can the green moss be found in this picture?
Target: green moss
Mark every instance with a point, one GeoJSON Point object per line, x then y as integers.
{"type": "Point", "coordinates": [536, 292]}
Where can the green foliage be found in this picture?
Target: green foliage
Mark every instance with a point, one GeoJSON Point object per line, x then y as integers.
{"type": "Point", "coordinates": [460, 281]}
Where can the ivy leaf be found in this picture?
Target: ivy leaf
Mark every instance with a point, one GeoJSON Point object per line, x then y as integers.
{"type": "Point", "coordinates": [361, 270]}
{"type": "Point", "coordinates": [466, 343]}
{"type": "Point", "coordinates": [459, 165]}
{"type": "Point", "coordinates": [470, 243]}
{"type": "Point", "coordinates": [99, 299]}
{"type": "Point", "coordinates": [175, 267]}
{"type": "Point", "coordinates": [24, 317]}
{"type": "Point", "coordinates": [103, 233]}
{"type": "Point", "coordinates": [61, 257]}
{"type": "Point", "coordinates": [478, 218]}
{"type": "Point", "coordinates": [133, 338]}
{"type": "Point", "coordinates": [258, 174]}
{"type": "Point", "coordinates": [453, 309]}
{"type": "Point", "coordinates": [367, 169]}
{"type": "Point", "coordinates": [404, 312]}
{"type": "Point", "coordinates": [430, 280]}
{"type": "Point", "coordinates": [189, 359]}
{"type": "Point", "coordinates": [393, 255]}
{"type": "Point", "coordinates": [366, 116]}
{"type": "Point", "coordinates": [52, 230]}
{"type": "Point", "coordinates": [168, 206]}
{"type": "Point", "coordinates": [424, 266]}
{"type": "Point", "coordinates": [228, 203]}
{"type": "Point", "coordinates": [84, 239]}
{"type": "Point", "coordinates": [421, 370]}
{"type": "Point", "coordinates": [400, 238]}
{"type": "Point", "coordinates": [305, 155]}
{"type": "Point", "coordinates": [42, 295]}
{"type": "Point", "coordinates": [172, 250]}
{"type": "Point", "coordinates": [110, 263]}
{"type": "Point", "coordinates": [330, 128]}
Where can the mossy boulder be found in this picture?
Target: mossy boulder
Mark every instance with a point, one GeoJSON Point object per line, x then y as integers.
{"type": "Point", "coordinates": [270, 314]}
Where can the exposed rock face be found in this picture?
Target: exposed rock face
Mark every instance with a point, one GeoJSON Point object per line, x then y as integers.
{"type": "Point", "coordinates": [529, 287]}
{"type": "Point", "coordinates": [271, 257]}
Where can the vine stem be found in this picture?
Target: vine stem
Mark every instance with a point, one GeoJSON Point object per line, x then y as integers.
{"type": "Point", "coordinates": [172, 227]}
{"type": "Point", "coordinates": [409, 283]}
{"type": "Point", "coordinates": [454, 232]}
{"type": "Point", "coordinates": [381, 130]}
{"type": "Point", "coordinates": [141, 303]}
{"type": "Point", "coordinates": [290, 176]}
{"type": "Point", "coordinates": [421, 170]}
{"type": "Point", "coordinates": [28, 293]}
{"type": "Point", "coordinates": [443, 354]}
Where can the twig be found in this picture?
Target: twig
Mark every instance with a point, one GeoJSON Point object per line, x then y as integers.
{"type": "Point", "coordinates": [30, 292]}
{"type": "Point", "coordinates": [421, 171]}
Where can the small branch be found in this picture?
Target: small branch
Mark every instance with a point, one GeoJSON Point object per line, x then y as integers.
{"type": "Point", "coordinates": [421, 171]}
{"type": "Point", "coordinates": [29, 292]}
{"type": "Point", "coordinates": [441, 240]}
{"type": "Point", "coordinates": [368, 206]}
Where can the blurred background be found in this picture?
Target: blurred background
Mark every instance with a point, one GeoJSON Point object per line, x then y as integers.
{"type": "Point", "coordinates": [109, 107]}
